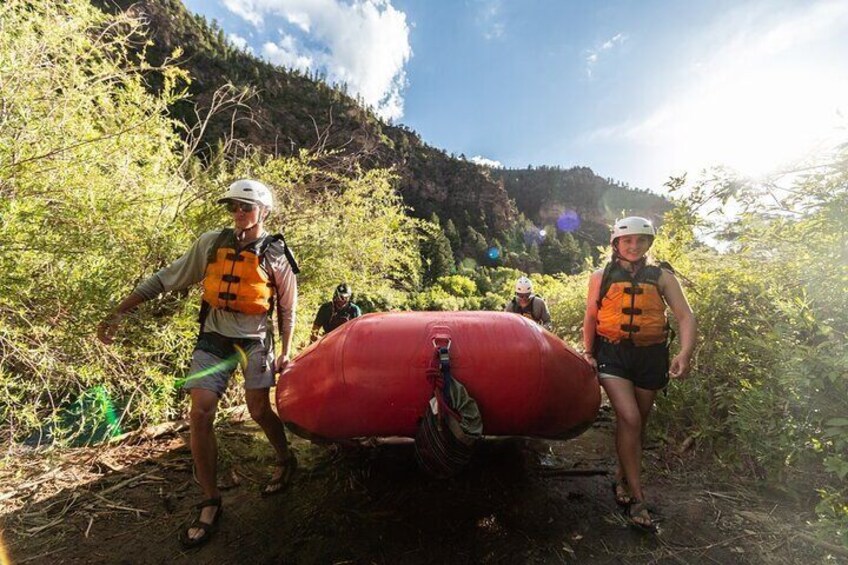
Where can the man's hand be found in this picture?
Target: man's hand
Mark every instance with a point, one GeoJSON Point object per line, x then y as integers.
{"type": "Point", "coordinates": [107, 329]}
{"type": "Point", "coordinates": [281, 363]}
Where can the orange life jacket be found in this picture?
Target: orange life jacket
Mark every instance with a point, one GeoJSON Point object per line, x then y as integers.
{"type": "Point", "coordinates": [236, 279]}
{"type": "Point", "coordinates": [631, 306]}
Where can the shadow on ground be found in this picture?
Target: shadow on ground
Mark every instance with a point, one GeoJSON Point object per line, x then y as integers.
{"type": "Point", "coordinates": [519, 501]}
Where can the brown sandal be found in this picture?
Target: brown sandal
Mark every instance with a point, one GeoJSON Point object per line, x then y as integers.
{"type": "Point", "coordinates": [208, 528]}
{"type": "Point", "coordinates": [640, 517]}
{"type": "Point", "coordinates": [279, 484]}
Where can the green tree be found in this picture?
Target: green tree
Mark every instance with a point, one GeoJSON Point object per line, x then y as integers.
{"type": "Point", "coordinates": [453, 236]}
{"type": "Point", "coordinates": [554, 256]}
{"type": "Point", "coordinates": [436, 254]}
{"type": "Point", "coordinates": [475, 245]}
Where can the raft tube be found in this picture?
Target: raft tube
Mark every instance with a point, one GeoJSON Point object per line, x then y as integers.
{"type": "Point", "coordinates": [368, 377]}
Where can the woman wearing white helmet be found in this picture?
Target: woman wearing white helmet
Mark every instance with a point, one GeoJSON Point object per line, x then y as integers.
{"type": "Point", "coordinates": [625, 336]}
{"type": "Point", "coordinates": [527, 304]}
{"type": "Point", "coordinates": [247, 276]}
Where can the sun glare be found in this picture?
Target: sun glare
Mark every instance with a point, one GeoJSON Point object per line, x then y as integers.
{"type": "Point", "coordinates": [759, 122]}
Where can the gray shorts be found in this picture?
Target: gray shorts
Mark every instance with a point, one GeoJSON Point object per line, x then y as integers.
{"type": "Point", "coordinates": [212, 371]}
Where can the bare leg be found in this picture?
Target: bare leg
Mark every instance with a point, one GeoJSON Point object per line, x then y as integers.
{"type": "Point", "coordinates": [645, 400]}
{"type": "Point", "coordinates": [261, 412]}
{"type": "Point", "coordinates": [628, 431]}
{"type": "Point", "coordinates": [259, 407]}
{"type": "Point", "coordinates": [204, 450]}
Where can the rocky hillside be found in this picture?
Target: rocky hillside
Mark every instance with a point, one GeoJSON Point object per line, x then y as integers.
{"type": "Point", "coordinates": [292, 111]}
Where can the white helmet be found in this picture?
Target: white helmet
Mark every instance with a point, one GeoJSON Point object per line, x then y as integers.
{"type": "Point", "coordinates": [523, 286]}
{"type": "Point", "coordinates": [249, 191]}
{"type": "Point", "coordinates": [633, 225]}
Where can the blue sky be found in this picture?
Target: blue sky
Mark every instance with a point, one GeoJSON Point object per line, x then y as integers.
{"type": "Point", "coordinates": [637, 90]}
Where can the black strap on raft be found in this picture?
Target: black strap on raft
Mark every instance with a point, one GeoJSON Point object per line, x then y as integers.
{"type": "Point", "coordinates": [442, 448]}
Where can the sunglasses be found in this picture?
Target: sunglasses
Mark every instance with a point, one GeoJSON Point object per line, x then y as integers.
{"type": "Point", "coordinates": [243, 206]}
{"type": "Point", "coordinates": [523, 295]}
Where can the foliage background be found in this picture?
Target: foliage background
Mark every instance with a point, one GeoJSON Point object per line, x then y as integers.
{"type": "Point", "coordinates": [101, 184]}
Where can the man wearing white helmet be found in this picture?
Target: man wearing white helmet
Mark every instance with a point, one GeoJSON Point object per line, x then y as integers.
{"type": "Point", "coordinates": [527, 304]}
{"type": "Point", "coordinates": [625, 337]}
{"type": "Point", "coordinates": [247, 276]}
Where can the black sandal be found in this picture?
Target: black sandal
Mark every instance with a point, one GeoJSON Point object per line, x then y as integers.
{"type": "Point", "coordinates": [279, 484]}
{"type": "Point", "coordinates": [208, 529]}
{"type": "Point", "coordinates": [640, 510]}
{"type": "Point", "coordinates": [622, 497]}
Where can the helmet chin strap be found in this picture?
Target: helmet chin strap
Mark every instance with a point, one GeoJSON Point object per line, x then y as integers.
{"type": "Point", "coordinates": [240, 233]}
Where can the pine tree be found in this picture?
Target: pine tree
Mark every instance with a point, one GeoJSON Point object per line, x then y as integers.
{"type": "Point", "coordinates": [436, 257]}
{"type": "Point", "coordinates": [453, 236]}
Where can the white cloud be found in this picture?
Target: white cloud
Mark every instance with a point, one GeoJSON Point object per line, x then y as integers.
{"type": "Point", "coordinates": [240, 42]}
{"type": "Point", "coordinates": [593, 55]}
{"type": "Point", "coordinates": [286, 54]}
{"type": "Point", "coordinates": [490, 18]}
{"type": "Point", "coordinates": [364, 43]}
{"type": "Point", "coordinates": [246, 9]}
{"type": "Point", "coordinates": [771, 93]}
{"type": "Point", "coordinates": [480, 160]}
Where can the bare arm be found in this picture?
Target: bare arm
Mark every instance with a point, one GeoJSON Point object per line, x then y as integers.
{"type": "Point", "coordinates": [182, 273]}
{"type": "Point", "coordinates": [673, 294]}
{"type": "Point", "coordinates": [590, 318]}
{"type": "Point", "coordinates": [286, 313]}
{"type": "Point", "coordinates": [107, 329]}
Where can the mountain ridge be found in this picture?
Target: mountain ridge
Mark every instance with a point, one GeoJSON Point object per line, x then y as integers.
{"type": "Point", "coordinates": [293, 111]}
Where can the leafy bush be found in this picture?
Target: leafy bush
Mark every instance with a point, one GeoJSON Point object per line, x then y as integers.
{"type": "Point", "coordinates": [98, 190]}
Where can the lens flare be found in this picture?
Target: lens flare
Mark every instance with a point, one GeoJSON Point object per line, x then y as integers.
{"type": "Point", "coordinates": [568, 221]}
{"type": "Point", "coordinates": [4, 554]}
{"type": "Point", "coordinates": [534, 235]}
{"type": "Point", "coordinates": [242, 357]}
{"type": "Point", "coordinates": [107, 411]}
{"type": "Point", "coordinates": [227, 364]}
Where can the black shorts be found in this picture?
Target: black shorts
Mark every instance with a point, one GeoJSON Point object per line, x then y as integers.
{"type": "Point", "coordinates": [646, 366]}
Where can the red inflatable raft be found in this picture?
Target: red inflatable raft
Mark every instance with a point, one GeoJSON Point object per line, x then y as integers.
{"type": "Point", "coordinates": [368, 377]}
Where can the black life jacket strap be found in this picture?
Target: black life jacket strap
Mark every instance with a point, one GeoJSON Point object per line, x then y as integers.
{"type": "Point", "coordinates": [288, 252]}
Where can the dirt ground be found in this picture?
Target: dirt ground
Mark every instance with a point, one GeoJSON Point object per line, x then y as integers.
{"type": "Point", "coordinates": [520, 501]}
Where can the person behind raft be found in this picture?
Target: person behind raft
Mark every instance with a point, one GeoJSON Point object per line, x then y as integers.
{"type": "Point", "coordinates": [528, 304]}
{"type": "Point", "coordinates": [236, 328]}
{"type": "Point", "coordinates": [625, 335]}
{"type": "Point", "coordinates": [334, 313]}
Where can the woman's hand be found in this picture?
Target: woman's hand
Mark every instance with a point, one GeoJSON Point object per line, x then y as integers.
{"type": "Point", "coordinates": [589, 358]}
{"type": "Point", "coordinates": [680, 366]}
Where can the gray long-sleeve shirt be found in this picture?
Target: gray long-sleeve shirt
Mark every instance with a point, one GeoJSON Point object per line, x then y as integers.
{"type": "Point", "coordinates": [191, 268]}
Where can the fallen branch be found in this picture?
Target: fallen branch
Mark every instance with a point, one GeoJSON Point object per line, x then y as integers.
{"type": "Point", "coordinates": [766, 519]}
{"type": "Point", "coordinates": [560, 472]}
{"type": "Point", "coordinates": [233, 415]}
{"type": "Point", "coordinates": [34, 557]}
{"type": "Point", "coordinates": [151, 432]}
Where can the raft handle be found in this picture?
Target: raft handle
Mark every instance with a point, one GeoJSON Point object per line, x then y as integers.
{"type": "Point", "coordinates": [435, 345]}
